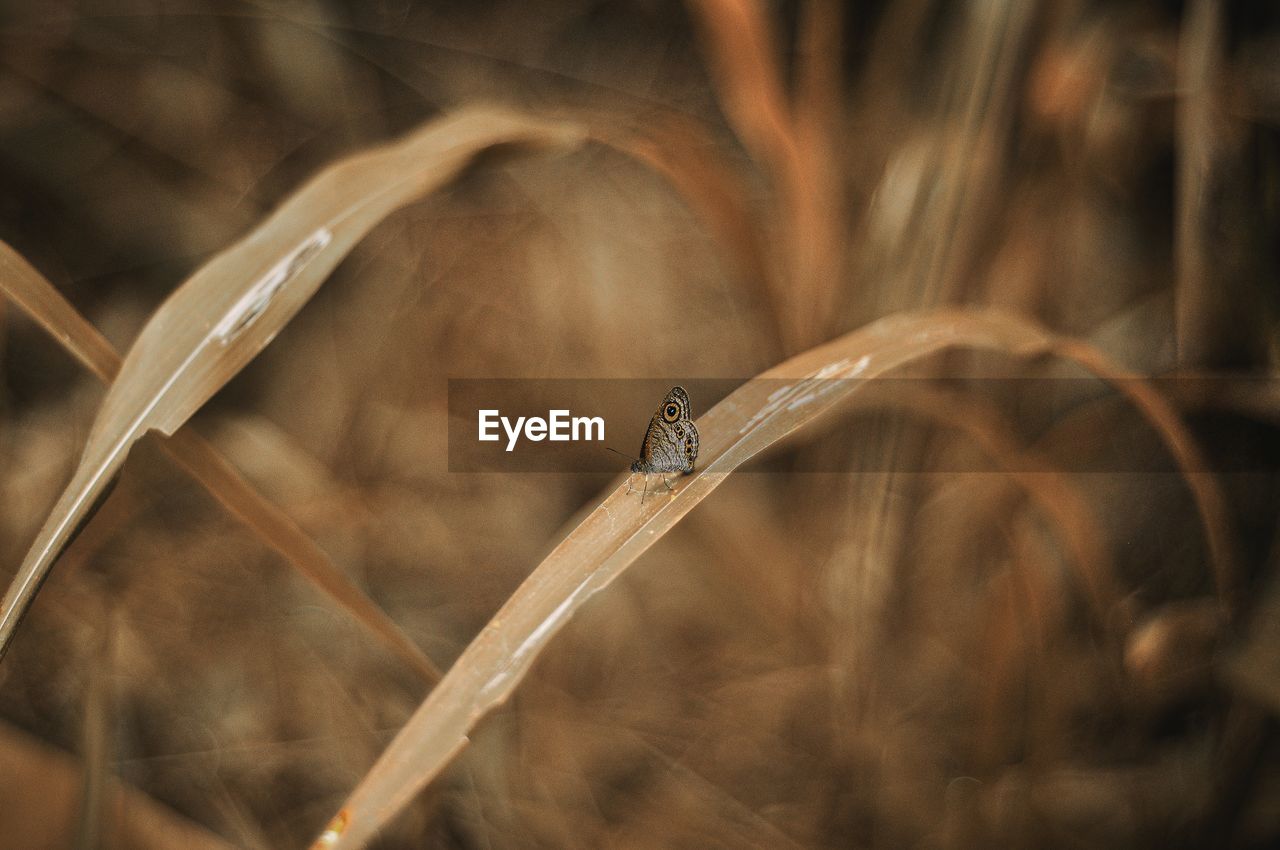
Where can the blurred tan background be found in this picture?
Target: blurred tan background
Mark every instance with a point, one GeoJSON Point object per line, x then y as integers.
{"type": "Point", "coordinates": [858, 659]}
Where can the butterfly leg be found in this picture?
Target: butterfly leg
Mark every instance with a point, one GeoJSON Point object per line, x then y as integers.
{"type": "Point", "coordinates": [667, 483]}
{"type": "Point", "coordinates": [646, 488]}
{"type": "Point", "coordinates": [630, 478]}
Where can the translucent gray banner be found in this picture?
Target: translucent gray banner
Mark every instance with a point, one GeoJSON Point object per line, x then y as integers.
{"type": "Point", "coordinates": [598, 425]}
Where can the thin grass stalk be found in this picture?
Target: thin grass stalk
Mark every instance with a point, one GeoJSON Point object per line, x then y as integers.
{"type": "Point", "coordinates": [818, 215]}
{"type": "Point", "coordinates": [1197, 302]}
{"type": "Point", "coordinates": [741, 46]}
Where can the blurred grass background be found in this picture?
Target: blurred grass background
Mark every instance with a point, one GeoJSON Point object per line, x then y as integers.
{"type": "Point", "coordinates": [867, 659]}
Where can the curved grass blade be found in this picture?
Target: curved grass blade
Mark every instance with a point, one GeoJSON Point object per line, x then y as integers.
{"type": "Point", "coordinates": [232, 307]}
{"type": "Point", "coordinates": [1209, 500]}
{"type": "Point", "coordinates": [1051, 489]}
{"type": "Point", "coordinates": [621, 528]}
{"type": "Point", "coordinates": [27, 288]}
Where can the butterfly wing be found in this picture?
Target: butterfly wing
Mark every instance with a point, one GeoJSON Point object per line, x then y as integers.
{"type": "Point", "coordinates": [690, 447]}
{"type": "Point", "coordinates": [671, 440]}
{"type": "Point", "coordinates": [651, 438]}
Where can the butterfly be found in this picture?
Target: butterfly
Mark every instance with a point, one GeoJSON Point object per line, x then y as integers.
{"type": "Point", "coordinates": [671, 441]}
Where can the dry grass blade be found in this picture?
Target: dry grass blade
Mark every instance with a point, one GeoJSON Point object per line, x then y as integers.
{"type": "Point", "coordinates": [220, 318]}
{"type": "Point", "coordinates": [1050, 489]}
{"type": "Point", "coordinates": [27, 288]}
{"type": "Point", "coordinates": [1197, 290]}
{"type": "Point", "coordinates": [98, 708]}
{"type": "Point", "coordinates": [817, 213]}
{"type": "Point", "coordinates": [1210, 502]}
{"type": "Point", "coordinates": [611, 537]}
{"type": "Point", "coordinates": [741, 45]}
{"type": "Point", "coordinates": [30, 290]}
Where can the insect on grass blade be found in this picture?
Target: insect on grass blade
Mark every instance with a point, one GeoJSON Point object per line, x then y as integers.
{"type": "Point", "coordinates": [595, 551]}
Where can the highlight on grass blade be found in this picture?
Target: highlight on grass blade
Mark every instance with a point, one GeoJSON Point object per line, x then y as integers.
{"type": "Point", "coordinates": [599, 548]}
{"type": "Point", "coordinates": [231, 308]}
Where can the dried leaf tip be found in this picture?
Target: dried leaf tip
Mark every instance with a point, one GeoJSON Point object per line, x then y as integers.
{"type": "Point", "coordinates": [333, 831]}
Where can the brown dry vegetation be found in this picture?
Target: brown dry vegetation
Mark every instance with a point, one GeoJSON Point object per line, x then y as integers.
{"type": "Point", "coordinates": [1054, 650]}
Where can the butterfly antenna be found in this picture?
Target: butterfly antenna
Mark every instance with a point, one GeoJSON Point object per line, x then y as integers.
{"type": "Point", "coordinates": [624, 454]}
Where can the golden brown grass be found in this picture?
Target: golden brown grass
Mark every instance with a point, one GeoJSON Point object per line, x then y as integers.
{"type": "Point", "coordinates": [816, 197]}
